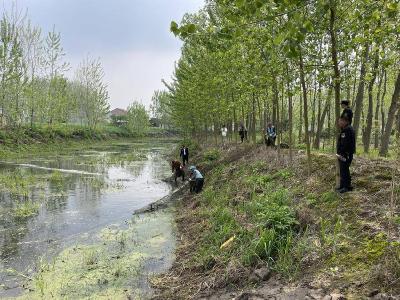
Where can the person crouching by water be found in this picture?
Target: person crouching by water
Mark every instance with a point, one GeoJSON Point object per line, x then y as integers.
{"type": "Point", "coordinates": [196, 180]}
{"type": "Point", "coordinates": [177, 170]}
{"type": "Point", "coordinates": [346, 147]}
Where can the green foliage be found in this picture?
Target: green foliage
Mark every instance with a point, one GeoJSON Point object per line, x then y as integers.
{"type": "Point", "coordinates": [212, 155]}
{"type": "Point", "coordinates": [238, 66]}
{"type": "Point", "coordinates": [34, 87]}
{"type": "Point", "coordinates": [159, 108]}
{"type": "Point", "coordinates": [273, 233]}
{"type": "Point", "coordinates": [263, 181]}
{"type": "Point", "coordinates": [60, 132]}
{"type": "Point", "coordinates": [137, 119]}
{"type": "Point", "coordinates": [26, 209]}
{"type": "Point", "coordinates": [326, 197]}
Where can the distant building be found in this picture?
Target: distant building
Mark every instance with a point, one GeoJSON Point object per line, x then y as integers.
{"type": "Point", "coordinates": [118, 116]}
{"type": "Point", "coordinates": [118, 112]}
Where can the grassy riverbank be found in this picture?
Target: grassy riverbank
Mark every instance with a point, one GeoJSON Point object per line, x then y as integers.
{"type": "Point", "coordinates": [261, 216]}
{"type": "Point", "coordinates": [26, 141]}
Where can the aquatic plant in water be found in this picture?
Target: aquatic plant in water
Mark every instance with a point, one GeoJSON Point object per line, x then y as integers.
{"type": "Point", "coordinates": [112, 268]}
{"type": "Point", "coordinates": [25, 209]}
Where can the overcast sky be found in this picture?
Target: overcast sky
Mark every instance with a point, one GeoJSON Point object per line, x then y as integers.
{"type": "Point", "coordinates": [131, 37]}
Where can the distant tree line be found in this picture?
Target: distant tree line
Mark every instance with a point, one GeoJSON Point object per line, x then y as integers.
{"type": "Point", "coordinates": [34, 88]}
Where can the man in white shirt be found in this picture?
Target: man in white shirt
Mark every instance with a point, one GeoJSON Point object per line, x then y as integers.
{"type": "Point", "coordinates": [224, 132]}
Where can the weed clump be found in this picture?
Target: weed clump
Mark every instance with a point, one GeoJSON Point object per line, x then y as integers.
{"type": "Point", "coordinates": [212, 155]}
{"type": "Point", "coordinates": [25, 209]}
{"type": "Point", "coordinates": [260, 225]}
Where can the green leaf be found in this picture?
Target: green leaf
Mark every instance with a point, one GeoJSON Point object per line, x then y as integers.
{"type": "Point", "coordinates": [174, 28]}
{"type": "Point", "coordinates": [392, 6]}
{"type": "Point", "coordinates": [376, 15]}
{"type": "Point", "coordinates": [278, 39]}
{"type": "Point", "coordinates": [308, 26]}
{"type": "Point", "coordinates": [191, 28]}
{"type": "Point", "coordinates": [240, 3]}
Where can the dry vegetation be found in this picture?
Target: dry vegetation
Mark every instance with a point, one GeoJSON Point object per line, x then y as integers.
{"type": "Point", "coordinates": [271, 215]}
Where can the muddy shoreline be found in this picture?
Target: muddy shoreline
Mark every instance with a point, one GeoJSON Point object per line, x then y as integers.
{"type": "Point", "coordinates": [166, 201]}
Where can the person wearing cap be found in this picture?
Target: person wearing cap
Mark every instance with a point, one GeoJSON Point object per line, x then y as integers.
{"type": "Point", "coordinates": [197, 178]}
{"type": "Point", "coordinates": [347, 112]}
{"type": "Point", "coordinates": [346, 147]}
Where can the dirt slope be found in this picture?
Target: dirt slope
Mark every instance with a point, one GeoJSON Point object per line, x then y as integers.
{"type": "Point", "coordinates": [338, 246]}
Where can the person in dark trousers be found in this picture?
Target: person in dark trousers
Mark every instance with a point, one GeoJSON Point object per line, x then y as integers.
{"type": "Point", "coordinates": [270, 135]}
{"type": "Point", "coordinates": [177, 170]}
{"type": "Point", "coordinates": [347, 112]}
{"type": "Point", "coordinates": [197, 178]}
{"type": "Point", "coordinates": [346, 147]}
{"type": "Point", "coordinates": [241, 132]}
{"type": "Point", "coordinates": [184, 155]}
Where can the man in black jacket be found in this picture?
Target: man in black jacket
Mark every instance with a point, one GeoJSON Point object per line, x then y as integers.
{"type": "Point", "coordinates": [184, 154]}
{"type": "Point", "coordinates": [346, 147]}
{"type": "Point", "coordinates": [347, 112]}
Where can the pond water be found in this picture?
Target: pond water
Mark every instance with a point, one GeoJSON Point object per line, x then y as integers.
{"type": "Point", "coordinates": [72, 213]}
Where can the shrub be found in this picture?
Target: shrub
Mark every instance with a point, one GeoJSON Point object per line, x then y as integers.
{"type": "Point", "coordinates": [212, 155]}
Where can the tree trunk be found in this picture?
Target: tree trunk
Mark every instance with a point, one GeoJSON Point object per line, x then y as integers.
{"type": "Point", "coordinates": [336, 79]}
{"type": "Point", "coordinates": [278, 127]}
{"type": "Point", "coordinates": [383, 115]}
{"type": "Point", "coordinates": [253, 123]}
{"type": "Point", "coordinates": [290, 111]}
{"type": "Point", "coordinates": [260, 112]}
{"type": "Point", "coordinates": [368, 129]}
{"type": "Point", "coordinates": [265, 117]}
{"type": "Point", "coordinates": [313, 115]}
{"type": "Point", "coordinates": [360, 92]}
{"type": "Point", "coordinates": [377, 108]}
{"type": "Point", "coordinates": [398, 125]}
{"type": "Point", "coordinates": [274, 101]}
{"type": "Point", "coordinates": [319, 112]}
{"type": "Point", "coordinates": [235, 123]}
{"type": "Point", "coordinates": [300, 118]}
{"type": "Point", "coordinates": [394, 105]}
{"type": "Point", "coordinates": [321, 121]}
{"type": "Point", "coordinates": [305, 104]}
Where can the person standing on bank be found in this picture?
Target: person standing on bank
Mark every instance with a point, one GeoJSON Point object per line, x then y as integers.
{"type": "Point", "coordinates": [347, 112]}
{"type": "Point", "coordinates": [198, 179]}
{"type": "Point", "coordinates": [241, 132]}
{"type": "Point", "coordinates": [224, 133]}
{"type": "Point", "coordinates": [184, 154]}
{"type": "Point", "coordinates": [346, 147]}
{"type": "Point", "coordinates": [270, 135]}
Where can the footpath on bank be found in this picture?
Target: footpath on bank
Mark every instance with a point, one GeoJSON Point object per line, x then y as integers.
{"type": "Point", "coordinates": [265, 229]}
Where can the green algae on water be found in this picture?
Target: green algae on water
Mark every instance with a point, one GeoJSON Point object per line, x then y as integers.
{"type": "Point", "coordinates": [113, 267]}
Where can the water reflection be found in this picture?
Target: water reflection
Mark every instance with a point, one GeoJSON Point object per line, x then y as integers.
{"type": "Point", "coordinates": [74, 204]}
